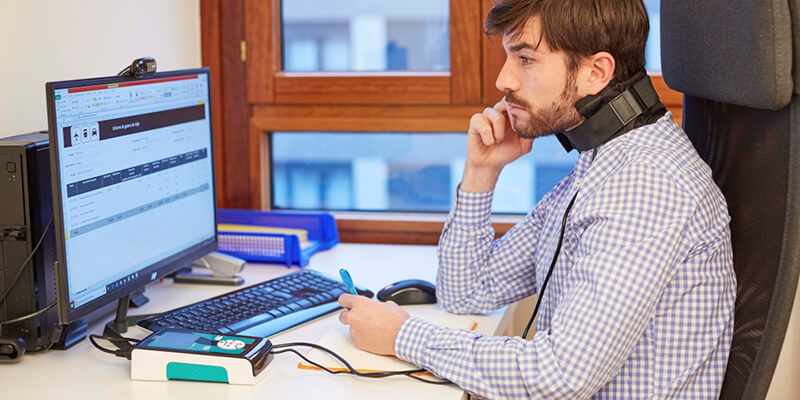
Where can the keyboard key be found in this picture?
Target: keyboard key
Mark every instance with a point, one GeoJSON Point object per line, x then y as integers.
{"type": "Point", "coordinates": [282, 294]}
{"type": "Point", "coordinates": [250, 322]}
{"type": "Point", "coordinates": [284, 309]}
{"type": "Point", "coordinates": [304, 303]}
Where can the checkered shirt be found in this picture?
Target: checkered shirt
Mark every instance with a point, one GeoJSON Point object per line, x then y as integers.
{"type": "Point", "coordinates": [639, 305]}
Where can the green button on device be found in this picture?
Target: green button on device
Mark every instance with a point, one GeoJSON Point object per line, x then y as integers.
{"type": "Point", "coordinates": [195, 372]}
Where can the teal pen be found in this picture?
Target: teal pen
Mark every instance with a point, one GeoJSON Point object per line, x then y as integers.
{"type": "Point", "coordinates": [348, 281]}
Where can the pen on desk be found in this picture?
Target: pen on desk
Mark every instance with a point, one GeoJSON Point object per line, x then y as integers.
{"type": "Point", "coordinates": [348, 281]}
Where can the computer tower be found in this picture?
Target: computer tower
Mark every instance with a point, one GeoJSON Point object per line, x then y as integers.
{"type": "Point", "coordinates": [26, 210]}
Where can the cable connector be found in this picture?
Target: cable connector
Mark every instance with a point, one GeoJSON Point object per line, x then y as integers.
{"type": "Point", "coordinates": [124, 346]}
{"type": "Point", "coordinates": [123, 353]}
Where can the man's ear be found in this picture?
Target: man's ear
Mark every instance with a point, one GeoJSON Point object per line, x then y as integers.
{"type": "Point", "coordinates": [599, 70]}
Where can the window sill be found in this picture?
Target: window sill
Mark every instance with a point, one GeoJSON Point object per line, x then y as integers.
{"type": "Point", "coordinates": [403, 228]}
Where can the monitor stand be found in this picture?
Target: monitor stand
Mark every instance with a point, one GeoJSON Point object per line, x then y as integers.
{"type": "Point", "coordinates": [119, 325]}
{"type": "Point", "coordinates": [223, 268]}
{"type": "Point", "coordinates": [114, 329]}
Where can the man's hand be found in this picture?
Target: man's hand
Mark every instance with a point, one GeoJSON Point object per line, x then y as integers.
{"type": "Point", "coordinates": [491, 144]}
{"type": "Point", "coordinates": [373, 325]}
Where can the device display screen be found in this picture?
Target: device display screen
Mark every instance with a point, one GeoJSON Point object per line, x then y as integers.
{"type": "Point", "coordinates": [197, 342]}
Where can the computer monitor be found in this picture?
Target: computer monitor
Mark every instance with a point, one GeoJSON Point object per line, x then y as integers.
{"type": "Point", "coordinates": [133, 183]}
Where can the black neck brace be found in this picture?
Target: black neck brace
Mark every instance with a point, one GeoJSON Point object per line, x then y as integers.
{"type": "Point", "coordinates": [636, 105]}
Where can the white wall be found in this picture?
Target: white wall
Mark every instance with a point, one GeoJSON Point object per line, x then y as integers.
{"type": "Point", "coordinates": [50, 40]}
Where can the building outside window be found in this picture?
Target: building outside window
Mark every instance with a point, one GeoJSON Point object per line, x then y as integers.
{"type": "Point", "coordinates": [400, 172]}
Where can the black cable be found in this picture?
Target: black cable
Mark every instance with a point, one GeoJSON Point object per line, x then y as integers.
{"type": "Point", "coordinates": [350, 370]}
{"type": "Point", "coordinates": [118, 352]}
{"type": "Point", "coordinates": [555, 258]}
{"type": "Point", "coordinates": [342, 360]}
{"type": "Point", "coordinates": [31, 315]}
{"type": "Point", "coordinates": [25, 263]}
{"type": "Point", "coordinates": [549, 271]}
{"type": "Point", "coordinates": [124, 71]}
{"type": "Point", "coordinates": [97, 345]}
{"type": "Point", "coordinates": [421, 379]}
{"type": "Point", "coordinates": [112, 339]}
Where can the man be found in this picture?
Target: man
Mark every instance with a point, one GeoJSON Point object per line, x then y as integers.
{"type": "Point", "coordinates": [630, 253]}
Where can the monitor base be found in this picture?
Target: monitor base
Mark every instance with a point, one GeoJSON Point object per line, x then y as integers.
{"type": "Point", "coordinates": [69, 335]}
{"type": "Point", "coordinates": [223, 268]}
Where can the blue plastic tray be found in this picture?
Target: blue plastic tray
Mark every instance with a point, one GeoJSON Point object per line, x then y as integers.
{"type": "Point", "coordinates": [276, 247]}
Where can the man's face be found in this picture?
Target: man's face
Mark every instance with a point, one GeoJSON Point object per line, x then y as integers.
{"type": "Point", "coordinates": [540, 90]}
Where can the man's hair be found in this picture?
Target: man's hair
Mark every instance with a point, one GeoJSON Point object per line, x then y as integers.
{"type": "Point", "coordinates": [580, 28]}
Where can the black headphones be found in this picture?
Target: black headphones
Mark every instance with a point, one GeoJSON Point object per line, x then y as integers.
{"type": "Point", "coordinates": [140, 68]}
{"type": "Point", "coordinates": [607, 119]}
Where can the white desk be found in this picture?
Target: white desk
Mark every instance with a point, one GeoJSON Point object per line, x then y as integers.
{"type": "Point", "coordinates": [86, 373]}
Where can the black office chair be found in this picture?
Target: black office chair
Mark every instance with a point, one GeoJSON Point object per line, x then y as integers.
{"type": "Point", "coordinates": [733, 61]}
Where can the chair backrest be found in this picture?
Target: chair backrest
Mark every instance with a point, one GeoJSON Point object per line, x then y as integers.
{"type": "Point", "coordinates": [732, 59]}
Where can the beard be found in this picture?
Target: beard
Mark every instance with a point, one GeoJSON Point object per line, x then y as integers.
{"type": "Point", "coordinates": [558, 116]}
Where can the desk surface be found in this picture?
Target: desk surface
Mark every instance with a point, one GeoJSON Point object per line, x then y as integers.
{"type": "Point", "coordinates": [85, 372]}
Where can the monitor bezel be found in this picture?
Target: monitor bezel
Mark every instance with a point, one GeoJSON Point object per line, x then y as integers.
{"type": "Point", "coordinates": [163, 267]}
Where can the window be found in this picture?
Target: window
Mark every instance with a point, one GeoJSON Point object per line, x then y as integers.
{"type": "Point", "coordinates": [343, 35]}
{"type": "Point", "coordinates": [415, 52]}
{"type": "Point", "coordinates": [306, 73]}
{"type": "Point", "coordinates": [399, 172]}
{"type": "Point", "coordinates": [653, 49]}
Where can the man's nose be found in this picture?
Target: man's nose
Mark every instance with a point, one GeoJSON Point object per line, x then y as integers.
{"type": "Point", "coordinates": [506, 80]}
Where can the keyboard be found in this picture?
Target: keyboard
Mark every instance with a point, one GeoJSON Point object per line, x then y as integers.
{"type": "Point", "coordinates": [259, 310]}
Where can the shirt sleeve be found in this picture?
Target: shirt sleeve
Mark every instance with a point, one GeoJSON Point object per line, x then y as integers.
{"type": "Point", "coordinates": [625, 257]}
{"type": "Point", "coordinates": [478, 274]}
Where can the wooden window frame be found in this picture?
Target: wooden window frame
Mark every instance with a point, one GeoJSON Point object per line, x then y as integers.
{"type": "Point", "coordinates": [268, 84]}
{"type": "Point", "coordinates": [251, 97]}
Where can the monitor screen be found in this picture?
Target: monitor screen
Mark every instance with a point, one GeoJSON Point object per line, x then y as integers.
{"type": "Point", "coordinates": [133, 183]}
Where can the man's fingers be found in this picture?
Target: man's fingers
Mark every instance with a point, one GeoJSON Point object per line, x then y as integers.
{"type": "Point", "coordinates": [347, 300]}
{"type": "Point", "coordinates": [502, 108]}
{"type": "Point", "coordinates": [481, 126]}
{"type": "Point", "coordinates": [498, 121]}
{"type": "Point", "coordinates": [343, 317]}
